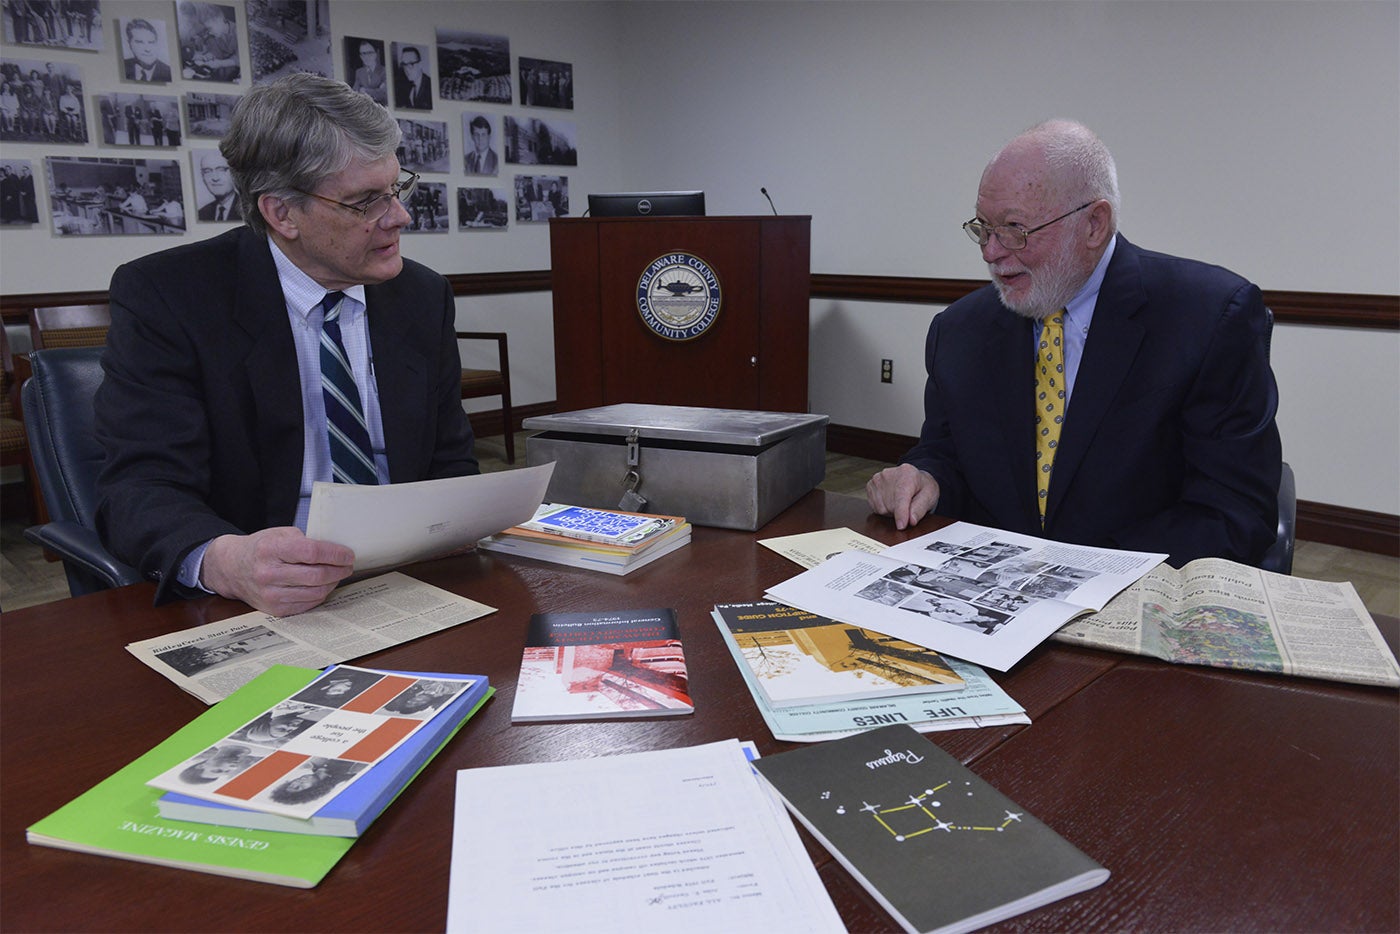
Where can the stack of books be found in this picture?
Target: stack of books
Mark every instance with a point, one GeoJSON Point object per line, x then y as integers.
{"type": "Point", "coordinates": [296, 812]}
{"type": "Point", "coordinates": [601, 539]}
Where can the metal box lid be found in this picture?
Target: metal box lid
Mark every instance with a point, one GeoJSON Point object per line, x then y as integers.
{"type": "Point", "coordinates": [680, 423]}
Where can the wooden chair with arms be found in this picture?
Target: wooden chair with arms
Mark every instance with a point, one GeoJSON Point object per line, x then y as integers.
{"type": "Point", "coordinates": [69, 326]}
{"type": "Point", "coordinates": [477, 383]}
{"type": "Point", "coordinates": [14, 444]}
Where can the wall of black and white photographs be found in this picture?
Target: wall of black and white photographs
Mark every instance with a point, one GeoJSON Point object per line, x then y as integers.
{"type": "Point", "coordinates": [172, 72]}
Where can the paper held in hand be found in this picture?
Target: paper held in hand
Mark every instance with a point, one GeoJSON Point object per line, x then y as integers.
{"type": "Point", "coordinates": [980, 594]}
{"type": "Point", "coordinates": [400, 523]}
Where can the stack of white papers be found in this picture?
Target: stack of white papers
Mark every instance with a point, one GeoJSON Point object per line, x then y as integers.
{"type": "Point", "coordinates": [672, 840]}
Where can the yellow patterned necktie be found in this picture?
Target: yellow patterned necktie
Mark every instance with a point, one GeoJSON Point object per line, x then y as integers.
{"type": "Point", "coordinates": [1049, 403]}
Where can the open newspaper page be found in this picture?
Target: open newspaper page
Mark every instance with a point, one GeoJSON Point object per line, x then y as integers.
{"type": "Point", "coordinates": [213, 661]}
{"type": "Point", "coordinates": [1228, 615]}
{"type": "Point", "coordinates": [980, 594]}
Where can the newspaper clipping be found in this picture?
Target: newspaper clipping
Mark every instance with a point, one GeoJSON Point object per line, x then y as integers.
{"type": "Point", "coordinates": [213, 661]}
{"type": "Point", "coordinates": [1228, 615]}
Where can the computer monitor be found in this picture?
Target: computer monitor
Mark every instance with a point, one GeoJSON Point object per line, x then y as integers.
{"type": "Point", "coordinates": [648, 204]}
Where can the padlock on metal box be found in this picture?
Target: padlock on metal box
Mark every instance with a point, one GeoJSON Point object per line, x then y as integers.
{"type": "Point", "coordinates": [729, 468]}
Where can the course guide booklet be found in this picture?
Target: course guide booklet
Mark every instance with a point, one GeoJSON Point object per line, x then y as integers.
{"type": "Point", "coordinates": [298, 754]}
{"type": "Point", "coordinates": [981, 703]}
{"type": "Point", "coordinates": [672, 840]}
{"type": "Point", "coordinates": [941, 849]}
{"type": "Point", "coordinates": [213, 661]}
{"type": "Point", "coordinates": [399, 523]}
{"type": "Point", "coordinates": [980, 594]}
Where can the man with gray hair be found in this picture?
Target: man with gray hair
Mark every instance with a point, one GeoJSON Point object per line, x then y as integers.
{"type": "Point", "coordinates": [300, 347]}
{"type": "Point", "coordinates": [1095, 392]}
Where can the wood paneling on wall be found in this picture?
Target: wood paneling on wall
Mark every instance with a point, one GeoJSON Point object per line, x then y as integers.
{"type": "Point", "coordinates": [1318, 522]}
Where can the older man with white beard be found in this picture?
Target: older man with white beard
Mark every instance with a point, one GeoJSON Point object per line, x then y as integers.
{"type": "Point", "coordinates": [1095, 392]}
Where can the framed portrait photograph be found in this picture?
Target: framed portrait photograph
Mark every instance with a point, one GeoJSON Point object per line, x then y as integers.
{"type": "Point", "coordinates": [145, 51]}
{"type": "Point", "coordinates": [67, 24]}
{"type": "Point", "coordinates": [532, 141]}
{"type": "Point", "coordinates": [286, 37]}
{"type": "Point", "coordinates": [546, 84]}
{"type": "Point", "coordinates": [482, 209]}
{"type": "Point", "coordinates": [208, 41]}
{"type": "Point", "coordinates": [473, 66]}
{"type": "Point", "coordinates": [17, 204]}
{"type": "Point", "coordinates": [215, 197]}
{"type": "Point", "coordinates": [138, 119]}
{"type": "Point", "coordinates": [479, 142]}
{"type": "Point", "coordinates": [365, 70]}
{"type": "Point", "coordinates": [413, 83]}
{"type": "Point", "coordinates": [208, 115]}
{"type": "Point", "coordinates": [41, 102]}
{"type": "Point", "coordinates": [540, 197]}
{"type": "Point", "coordinates": [427, 209]}
{"type": "Point", "coordinates": [424, 146]}
{"type": "Point", "coordinates": [115, 196]}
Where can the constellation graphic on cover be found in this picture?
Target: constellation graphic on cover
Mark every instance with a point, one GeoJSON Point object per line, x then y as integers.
{"type": "Point", "coordinates": [920, 814]}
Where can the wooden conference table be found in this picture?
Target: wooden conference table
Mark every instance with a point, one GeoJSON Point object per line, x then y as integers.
{"type": "Point", "coordinates": [1219, 800]}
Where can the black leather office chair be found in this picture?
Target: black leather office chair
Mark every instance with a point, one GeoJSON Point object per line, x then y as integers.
{"type": "Point", "coordinates": [1279, 557]}
{"type": "Point", "coordinates": [58, 418]}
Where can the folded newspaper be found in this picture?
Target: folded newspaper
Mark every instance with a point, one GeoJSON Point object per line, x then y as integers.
{"type": "Point", "coordinates": [1228, 615]}
{"type": "Point", "coordinates": [979, 594]}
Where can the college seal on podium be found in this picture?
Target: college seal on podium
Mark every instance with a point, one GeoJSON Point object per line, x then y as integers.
{"type": "Point", "coordinates": [678, 296]}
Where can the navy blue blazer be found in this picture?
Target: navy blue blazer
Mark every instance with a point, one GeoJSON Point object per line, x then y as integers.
{"type": "Point", "coordinates": [1169, 442]}
{"type": "Point", "coordinates": [199, 411]}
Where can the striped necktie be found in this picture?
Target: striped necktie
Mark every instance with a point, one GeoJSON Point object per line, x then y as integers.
{"type": "Point", "coordinates": [352, 457]}
{"type": "Point", "coordinates": [1049, 403]}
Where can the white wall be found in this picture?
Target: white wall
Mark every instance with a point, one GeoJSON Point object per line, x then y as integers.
{"type": "Point", "coordinates": [1263, 136]}
{"type": "Point", "coordinates": [1260, 135]}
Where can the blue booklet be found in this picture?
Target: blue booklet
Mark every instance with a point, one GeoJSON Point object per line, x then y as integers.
{"type": "Point", "coordinates": [351, 811]}
{"type": "Point", "coordinates": [597, 525]}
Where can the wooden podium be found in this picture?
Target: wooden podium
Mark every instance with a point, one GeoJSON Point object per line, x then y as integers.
{"type": "Point", "coordinates": [607, 272]}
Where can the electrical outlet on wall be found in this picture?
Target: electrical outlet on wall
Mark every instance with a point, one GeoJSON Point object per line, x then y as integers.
{"type": "Point", "coordinates": [887, 371]}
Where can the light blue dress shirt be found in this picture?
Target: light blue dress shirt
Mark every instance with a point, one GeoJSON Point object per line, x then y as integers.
{"type": "Point", "coordinates": [1079, 313]}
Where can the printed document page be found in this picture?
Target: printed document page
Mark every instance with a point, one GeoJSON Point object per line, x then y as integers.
{"type": "Point", "coordinates": [672, 840]}
{"type": "Point", "coordinates": [810, 549]}
{"type": "Point", "coordinates": [400, 523]}
{"type": "Point", "coordinates": [984, 595]}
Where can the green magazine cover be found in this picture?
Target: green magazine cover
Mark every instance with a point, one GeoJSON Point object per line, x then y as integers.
{"type": "Point", "coordinates": [118, 817]}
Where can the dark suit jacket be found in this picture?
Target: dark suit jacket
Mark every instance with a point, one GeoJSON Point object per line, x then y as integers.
{"type": "Point", "coordinates": [161, 71]}
{"type": "Point", "coordinates": [407, 94]}
{"type": "Point", "coordinates": [481, 164]}
{"type": "Point", "coordinates": [210, 210]}
{"type": "Point", "coordinates": [199, 411]}
{"type": "Point", "coordinates": [1169, 442]}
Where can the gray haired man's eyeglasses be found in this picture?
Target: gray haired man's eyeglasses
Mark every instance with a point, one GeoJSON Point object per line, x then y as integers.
{"type": "Point", "coordinates": [372, 209]}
